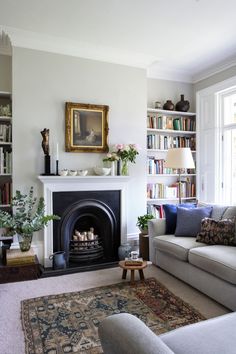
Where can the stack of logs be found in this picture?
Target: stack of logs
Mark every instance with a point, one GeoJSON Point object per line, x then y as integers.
{"type": "Point", "coordinates": [85, 246]}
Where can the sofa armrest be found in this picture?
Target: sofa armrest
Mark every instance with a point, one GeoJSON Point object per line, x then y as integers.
{"type": "Point", "coordinates": [156, 227]}
{"type": "Point", "coordinates": [125, 333]}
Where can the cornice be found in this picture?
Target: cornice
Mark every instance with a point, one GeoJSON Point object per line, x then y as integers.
{"type": "Point", "coordinates": [61, 45]}
{"type": "Point", "coordinates": [215, 69]}
{"type": "Point", "coordinates": [65, 46]}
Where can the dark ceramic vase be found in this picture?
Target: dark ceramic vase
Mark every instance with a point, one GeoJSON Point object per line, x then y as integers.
{"type": "Point", "coordinates": [182, 105]}
{"type": "Point", "coordinates": [169, 106]}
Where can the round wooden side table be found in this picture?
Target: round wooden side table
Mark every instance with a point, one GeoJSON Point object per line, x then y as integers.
{"type": "Point", "coordinates": [132, 268]}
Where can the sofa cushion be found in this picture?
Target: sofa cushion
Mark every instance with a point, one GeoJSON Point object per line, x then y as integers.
{"type": "Point", "coordinates": [178, 247]}
{"type": "Point", "coordinates": [171, 215]}
{"type": "Point", "coordinates": [217, 232]}
{"type": "Point", "coordinates": [218, 260]}
{"type": "Point", "coordinates": [217, 210]}
{"type": "Point", "coordinates": [189, 220]}
{"type": "Point", "coordinates": [213, 336]}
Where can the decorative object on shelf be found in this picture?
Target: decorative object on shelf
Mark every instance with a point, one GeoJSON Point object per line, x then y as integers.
{"type": "Point", "coordinates": [180, 158]}
{"type": "Point", "coordinates": [82, 172]}
{"type": "Point", "coordinates": [86, 127]}
{"type": "Point", "coordinates": [27, 217]}
{"type": "Point", "coordinates": [58, 260]}
{"type": "Point", "coordinates": [57, 161]}
{"type": "Point", "coordinates": [142, 223]}
{"type": "Point", "coordinates": [45, 146]}
{"type": "Point", "coordinates": [63, 172]}
{"type": "Point", "coordinates": [102, 171]}
{"type": "Point", "coordinates": [182, 105]}
{"type": "Point", "coordinates": [113, 168]}
{"type": "Point", "coordinates": [169, 105]}
{"type": "Point", "coordinates": [118, 167]}
{"type": "Point", "coordinates": [126, 153]}
{"type": "Point", "coordinates": [72, 172]}
{"type": "Point", "coordinates": [158, 105]}
{"type": "Point", "coordinates": [112, 157]}
{"type": "Point", "coordinates": [124, 168]}
{"type": "Point", "coordinates": [124, 251]}
{"type": "Point", "coordinates": [5, 110]}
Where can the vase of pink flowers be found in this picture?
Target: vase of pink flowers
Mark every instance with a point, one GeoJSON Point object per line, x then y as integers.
{"type": "Point", "coordinates": [126, 153]}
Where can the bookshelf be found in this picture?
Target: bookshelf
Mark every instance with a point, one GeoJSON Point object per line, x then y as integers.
{"type": "Point", "coordinates": [5, 149]}
{"type": "Point", "coordinates": [168, 129]}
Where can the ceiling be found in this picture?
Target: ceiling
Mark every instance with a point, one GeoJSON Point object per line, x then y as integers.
{"type": "Point", "coordinates": [182, 40]}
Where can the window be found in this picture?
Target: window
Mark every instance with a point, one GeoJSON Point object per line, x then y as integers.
{"type": "Point", "coordinates": [227, 158]}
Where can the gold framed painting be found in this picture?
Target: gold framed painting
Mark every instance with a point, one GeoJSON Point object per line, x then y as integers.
{"type": "Point", "coordinates": [86, 127]}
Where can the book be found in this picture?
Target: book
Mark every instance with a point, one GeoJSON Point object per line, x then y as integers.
{"type": "Point", "coordinates": [133, 262]}
{"type": "Point", "coordinates": [16, 257]}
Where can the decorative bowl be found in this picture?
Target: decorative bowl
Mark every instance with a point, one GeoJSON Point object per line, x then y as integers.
{"type": "Point", "coordinates": [102, 171]}
{"type": "Point", "coordinates": [82, 172]}
{"type": "Point", "coordinates": [63, 172]}
{"type": "Point", "coordinates": [72, 173]}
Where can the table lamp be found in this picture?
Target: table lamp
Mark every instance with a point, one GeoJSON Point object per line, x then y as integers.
{"type": "Point", "coordinates": [179, 158]}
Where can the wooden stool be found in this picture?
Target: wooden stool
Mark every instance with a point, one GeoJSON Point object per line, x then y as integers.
{"type": "Point", "coordinates": [132, 268]}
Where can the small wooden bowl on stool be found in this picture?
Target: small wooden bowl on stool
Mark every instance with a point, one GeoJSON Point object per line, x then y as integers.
{"type": "Point", "coordinates": [132, 268]}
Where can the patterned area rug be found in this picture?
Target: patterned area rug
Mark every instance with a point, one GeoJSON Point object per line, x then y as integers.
{"type": "Point", "coordinates": [67, 323]}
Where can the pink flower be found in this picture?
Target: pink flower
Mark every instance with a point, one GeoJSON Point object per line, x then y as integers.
{"type": "Point", "coordinates": [119, 146]}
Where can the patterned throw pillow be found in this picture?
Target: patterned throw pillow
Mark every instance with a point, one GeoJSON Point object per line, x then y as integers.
{"type": "Point", "coordinates": [215, 232]}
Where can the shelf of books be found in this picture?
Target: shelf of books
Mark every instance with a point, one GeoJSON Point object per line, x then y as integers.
{"type": "Point", "coordinates": [165, 130]}
{"type": "Point", "coordinates": [5, 149]}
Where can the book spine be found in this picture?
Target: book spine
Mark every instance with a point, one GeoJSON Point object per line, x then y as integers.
{"type": "Point", "coordinates": [20, 261]}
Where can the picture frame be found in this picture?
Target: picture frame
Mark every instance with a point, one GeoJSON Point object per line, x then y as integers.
{"type": "Point", "coordinates": [86, 128]}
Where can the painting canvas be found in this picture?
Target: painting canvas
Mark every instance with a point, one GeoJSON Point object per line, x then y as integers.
{"type": "Point", "coordinates": [86, 127]}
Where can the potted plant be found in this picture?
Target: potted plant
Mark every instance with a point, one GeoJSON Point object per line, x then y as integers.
{"type": "Point", "coordinates": [142, 223]}
{"type": "Point", "coordinates": [26, 218]}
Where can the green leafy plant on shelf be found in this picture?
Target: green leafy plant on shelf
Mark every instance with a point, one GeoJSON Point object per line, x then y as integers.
{"type": "Point", "coordinates": [28, 216]}
{"type": "Point", "coordinates": [142, 222]}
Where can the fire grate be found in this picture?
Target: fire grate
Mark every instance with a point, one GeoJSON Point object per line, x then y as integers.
{"type": "Point", "coordinates": [85, 246]}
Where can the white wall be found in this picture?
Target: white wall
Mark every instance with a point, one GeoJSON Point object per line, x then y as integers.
{"type": "Point", "coordinates": [163, 90]}
{"type": "Point", "coordinates": [42, 83]}
{"type": "Point", "coordinates": [5, 73]}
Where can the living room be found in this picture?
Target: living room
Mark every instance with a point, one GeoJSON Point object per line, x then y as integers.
{"type": "Point", "coordinates": [94, 54]}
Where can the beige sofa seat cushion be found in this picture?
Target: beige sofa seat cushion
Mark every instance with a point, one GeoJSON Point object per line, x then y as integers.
{"type": "Point", "coordinates": [218, 260]}
{"type": "Point", "coordinates": [176, 246]}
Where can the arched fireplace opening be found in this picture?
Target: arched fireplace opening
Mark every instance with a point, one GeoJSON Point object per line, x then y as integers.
{"type": "Point", "coordinates": [89, 228]}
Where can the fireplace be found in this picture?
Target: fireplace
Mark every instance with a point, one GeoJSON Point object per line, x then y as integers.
{"type": "Point", "coordinates": [89, 228]}
{"type": "Point", "coordinates": [86, 201]}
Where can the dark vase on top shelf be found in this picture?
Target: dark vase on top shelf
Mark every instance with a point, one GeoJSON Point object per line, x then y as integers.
{"type": "Point", "coordinates": [182, 105]}
{"type": "Point", "coordinates": [169, 105]}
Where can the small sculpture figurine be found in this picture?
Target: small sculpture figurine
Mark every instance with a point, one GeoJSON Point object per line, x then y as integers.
{"type": "Point", "coordinates": [45, 141]}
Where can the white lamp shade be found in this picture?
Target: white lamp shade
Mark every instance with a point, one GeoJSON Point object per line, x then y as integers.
{"type": "Point", "coordinates": [179, 158]}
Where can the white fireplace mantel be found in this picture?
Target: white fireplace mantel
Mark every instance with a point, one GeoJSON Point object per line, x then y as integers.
{"type": "Point", "coordinates": [78, 183]}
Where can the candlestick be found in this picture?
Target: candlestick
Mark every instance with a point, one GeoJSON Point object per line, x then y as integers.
{"type": "Point", "coordinates": [57, 167]}
{"type": "Point", "coordinates": [57, 154]}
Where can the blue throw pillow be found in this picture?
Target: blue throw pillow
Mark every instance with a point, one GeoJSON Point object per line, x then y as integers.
{"type": "Point", "coordinates": [189, 220]}
{"type": "Point", "coordinates": [171, 215]}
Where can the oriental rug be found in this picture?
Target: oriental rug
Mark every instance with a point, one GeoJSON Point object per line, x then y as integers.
{"type": "Point", "coordinates": [67, 323]}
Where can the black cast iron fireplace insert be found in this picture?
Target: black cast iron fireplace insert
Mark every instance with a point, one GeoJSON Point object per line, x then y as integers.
{"type": "Point", "coordinates": [81, 211]}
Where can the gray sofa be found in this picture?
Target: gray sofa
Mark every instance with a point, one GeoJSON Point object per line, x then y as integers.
{"type": "Point", "coordinates": [210, 269]}
{"type": "Point", "coordinates": [126, 334]}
